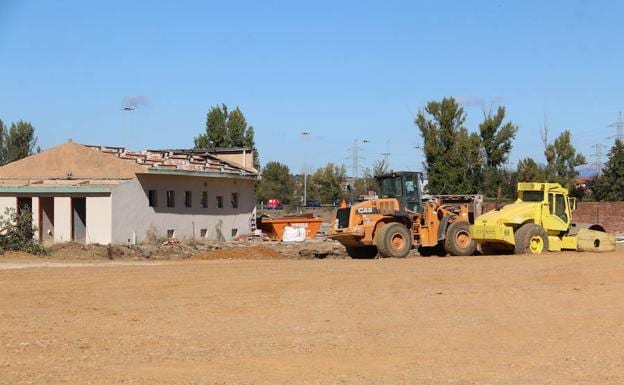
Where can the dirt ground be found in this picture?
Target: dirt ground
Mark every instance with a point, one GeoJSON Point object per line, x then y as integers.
{"type": "Point", "coordinates": [551, 319]}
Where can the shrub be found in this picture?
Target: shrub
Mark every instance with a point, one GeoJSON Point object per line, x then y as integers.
{"type": "Point", "coordinates": [17, 232]}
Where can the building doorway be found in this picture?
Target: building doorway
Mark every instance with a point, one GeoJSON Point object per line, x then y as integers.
{"type": "Point", "coordinates": [46, 219]}
{"type": "Point", "coordinates": [79, 219]}
{"type": "Point", "coordinates": [24, 203]}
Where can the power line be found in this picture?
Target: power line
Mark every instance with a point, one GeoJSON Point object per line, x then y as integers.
{"type": "Point", "coordinates": [387, 154]}
{"type": "Point", "coordinates": [355, 158]}
{"type": "Point", "coordinates": [619, 128]}
{"type": "Point", "coordinates": [597, 155]}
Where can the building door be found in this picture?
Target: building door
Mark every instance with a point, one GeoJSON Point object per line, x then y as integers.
{"type": "Point", "coordinates": [46, 219]}
{"type": "Point", "coordinates": [79, 219]}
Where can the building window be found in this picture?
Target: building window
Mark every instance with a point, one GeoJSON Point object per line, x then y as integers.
{"type": "Point", "coordinates": [219, 202]}
{"type": "Point", "coordinates": [170, 233]}
{"type": "Point", "coordinates": [204, 199]}
{"type": "Point", "coordinates": [188, 199]}
{"type": "Point", "coordinates": [234, 232]}
{"type": "Point", "coordinates": [234, 200]}
{"type": "Point", "coordinates": [151, 197]}
{"type": "Point", "coordinates": [203, 233]}
{"type": "Point", "coordinates": [170, 198]}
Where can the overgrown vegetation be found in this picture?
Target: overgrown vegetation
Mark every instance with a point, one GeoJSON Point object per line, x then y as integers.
{"type": "Point", "coordinates": [17, 232]}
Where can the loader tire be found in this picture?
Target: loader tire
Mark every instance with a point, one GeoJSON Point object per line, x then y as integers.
{"type": "Point", "coordinates": [458, 240]}
{"type": "Point", "coordinates": [394, 240]}
{"type": "Point", "coordinates": [530, 239]}
{"type": "Point", "coordinates": [362, 252]}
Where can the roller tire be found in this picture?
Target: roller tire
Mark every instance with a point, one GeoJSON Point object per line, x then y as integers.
{"type": "Point", "coordinates": [458, 241]}
{"type": "Point", "coordinates": [394, 240]}
{"type": "Point", "coordinates": [530, 239]}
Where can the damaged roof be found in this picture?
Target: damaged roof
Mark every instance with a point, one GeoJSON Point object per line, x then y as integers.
{"type": "Point", "coordinates": [196, 161]}
{"type": "Point", "coordinates": [75, 161]}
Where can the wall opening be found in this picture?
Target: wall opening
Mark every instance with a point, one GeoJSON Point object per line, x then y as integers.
{"type": "Point", "coordinates": [46, 219]}
{"type": "Point", "coordinates": [171, 233]}
{"type": "Point", "coordinates": [79, 219]}
{"type": "Point", "coordinates": [203, 233]}
{"type": "Point", "coordinates": [24, 203]}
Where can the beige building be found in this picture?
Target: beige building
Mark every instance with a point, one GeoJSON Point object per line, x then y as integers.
{"type": "Point", "coordinates": [95, 194]}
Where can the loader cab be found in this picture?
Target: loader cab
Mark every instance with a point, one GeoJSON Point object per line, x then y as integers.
{"type": "Point", "coordinates": [402, 186]}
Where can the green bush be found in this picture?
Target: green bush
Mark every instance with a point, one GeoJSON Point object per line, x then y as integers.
{"type": "Point", "coordinates": [17, 232]}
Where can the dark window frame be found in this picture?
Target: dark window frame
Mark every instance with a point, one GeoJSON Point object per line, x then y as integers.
{"type": "Point", "coordinates": [188, 198]}
{"type": "Point", "coordinates": [219, 201]}
{"type": "Point", "coordinates": [152, 201]}
{"type": "Point", "coordinates": [234, 200]}
{"type": "Point", "coordinates": [170, 198]}
{"type": "Point", "coordinates": [204, 200]}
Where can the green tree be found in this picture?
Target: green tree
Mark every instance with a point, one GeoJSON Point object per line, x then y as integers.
{"type": "Point", "coordinates": [3, 149]}
{"type": "Point", "coordinates": [276, 183]}
{"type": "Point", "coordinates": [496, 141]}
{"type": "Point", "coordinates": [610, 185]}
{"type": "Point", "coordinates": [326, 183]}
{"type": "Point", "coordinates": [452, 158]}
{"type": "Point", "coordinates": [216, 129]}
{"type": "Point", "coordinates": [561, 160]}
{"type": "Point", "coordinates": [529, 171]}
{"type": "Point", "coordinates": [227, 129]}
{"type": "Point", "coordinates": [20, 141]}
{"type": "Point", "coordinates": [236, 127]}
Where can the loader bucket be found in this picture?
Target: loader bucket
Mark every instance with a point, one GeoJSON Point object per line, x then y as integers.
{"type": "Point", "coordinates": [593, 240]}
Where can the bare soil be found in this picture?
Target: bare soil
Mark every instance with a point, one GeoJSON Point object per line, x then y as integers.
{"type": "Point", "coordinates": [244, 248]}
{"type": "Point", "coordinates": [557, 318]}
{"type": "Point", "coordinates": [252, 252]}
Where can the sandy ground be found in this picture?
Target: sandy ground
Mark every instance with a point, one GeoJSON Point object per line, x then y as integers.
{"type": "Point", "coordinates": [551, 319]}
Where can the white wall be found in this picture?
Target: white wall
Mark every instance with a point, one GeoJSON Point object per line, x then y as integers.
{"type": "Point", "coordinates": [7, 203]}
{"type": "Point", "coordinates": [62, 219]}
{"type": "Point", "coordinates": [132, 214]}
{"type": "Point", "coordinates": [35, 216]}
{"type": "Point", "coordinates": [99, 219]}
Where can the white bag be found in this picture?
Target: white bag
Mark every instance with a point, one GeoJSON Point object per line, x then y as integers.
{"type": "Point", "coordinates": [294, 234]}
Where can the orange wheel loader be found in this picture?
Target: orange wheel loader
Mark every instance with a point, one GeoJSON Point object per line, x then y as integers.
{"type": "Point", "coordinates": [401, 219]}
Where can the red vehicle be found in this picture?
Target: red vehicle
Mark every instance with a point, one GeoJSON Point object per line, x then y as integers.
{"type": "Point", "coordinates": [273, 204]}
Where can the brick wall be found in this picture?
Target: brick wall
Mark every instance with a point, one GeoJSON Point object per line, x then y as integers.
{"type": "Point", "coordinates": [608, 214]}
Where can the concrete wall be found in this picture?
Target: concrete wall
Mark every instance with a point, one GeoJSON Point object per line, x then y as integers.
{"type": "Point", "coordinates": [132, 217]}
{"type": "Point", "coordinates": [62, 219]}
{"type": "Point", "coordinates": [99, 219]}
{"type": "Point", "coordinates": [238, 158]}
{"type": "Point", "coordinates": [7, 203]}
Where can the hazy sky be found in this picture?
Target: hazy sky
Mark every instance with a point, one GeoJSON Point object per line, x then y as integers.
{"type": "Point", "coordinates": [340, 70]}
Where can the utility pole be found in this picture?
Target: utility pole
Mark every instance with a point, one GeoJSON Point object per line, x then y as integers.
{"type": "Point", "coordinates": [304, 135]}
{"type": "Point", "coordinates": [597, 155]}
{"type": "Point", "coordinates": [619, 128]}
{"type": "Point", "coordinates": [355, 158]}
{"type": "Point", "coordinates": [386, 154]}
